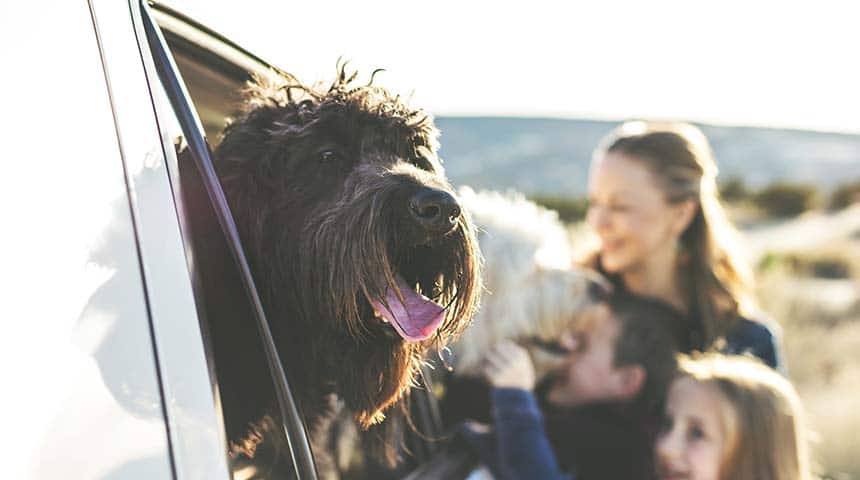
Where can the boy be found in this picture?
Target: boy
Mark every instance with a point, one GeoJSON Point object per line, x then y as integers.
{"type": "Point", "coordinates": [602, 407]}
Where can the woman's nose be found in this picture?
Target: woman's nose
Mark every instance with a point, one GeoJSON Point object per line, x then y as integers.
{"type": "Point", "coordinates": [597, 218]}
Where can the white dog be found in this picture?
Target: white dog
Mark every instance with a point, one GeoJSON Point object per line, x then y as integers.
{"type": "Point", "coordinates": [533, 291]}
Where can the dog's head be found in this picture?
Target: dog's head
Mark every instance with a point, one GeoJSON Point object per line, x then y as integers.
{"type": "Point", "coordinates": [357, 240]}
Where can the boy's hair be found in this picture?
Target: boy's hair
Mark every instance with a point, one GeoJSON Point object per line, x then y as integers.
{"type": "Point", "coordinates": [649, 335]}
{"type": "Point", "coordinates": [769, 440]}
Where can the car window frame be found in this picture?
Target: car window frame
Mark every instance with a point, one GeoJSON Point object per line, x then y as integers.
{"type": "Point", "coordinates": [171, 80]}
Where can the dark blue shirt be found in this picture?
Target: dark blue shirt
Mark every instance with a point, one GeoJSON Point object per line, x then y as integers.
{"type": "Point", "coordinates": [518, 448]}
{"type": "Point", "coordinates": [755, 338]}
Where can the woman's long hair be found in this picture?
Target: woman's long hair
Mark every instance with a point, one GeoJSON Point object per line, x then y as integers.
{"type": "Point", "coordinates": [714, 280]}
{"type": "Point", "coordinates": [769, 436]}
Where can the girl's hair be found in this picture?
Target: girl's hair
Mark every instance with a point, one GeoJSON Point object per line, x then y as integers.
{"type": "Point", "coordinates": [769, 439]}
{"type": "Point", "coordinates": [714, 280]}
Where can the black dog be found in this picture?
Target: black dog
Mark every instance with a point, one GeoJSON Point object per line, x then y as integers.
{"type": "Point", "coordinates": [360, 251]}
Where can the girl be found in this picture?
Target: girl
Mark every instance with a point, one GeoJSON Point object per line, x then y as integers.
{"type": "Point", "coordinates": [730, 417]}
{"type": "Point", "coordinates": [663, 233]}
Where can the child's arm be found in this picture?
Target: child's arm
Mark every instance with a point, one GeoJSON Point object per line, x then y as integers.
{"type": "Point", "coordinates": [523, 447]}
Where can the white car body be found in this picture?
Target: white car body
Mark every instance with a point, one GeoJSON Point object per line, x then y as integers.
{"type": "Point", "coordinates": [105, 371]}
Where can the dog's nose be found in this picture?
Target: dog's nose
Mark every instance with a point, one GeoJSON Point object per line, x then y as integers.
{"type": "Point", "coordinates": [435, 210]}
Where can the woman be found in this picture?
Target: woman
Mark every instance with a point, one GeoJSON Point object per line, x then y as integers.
{"type": "Point", "coordinates": [663, 233]}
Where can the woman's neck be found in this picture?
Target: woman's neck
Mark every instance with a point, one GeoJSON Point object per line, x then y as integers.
{"type": "Point", "coordinates": [656, 277]}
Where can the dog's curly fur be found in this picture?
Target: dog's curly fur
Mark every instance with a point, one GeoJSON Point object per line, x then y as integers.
{"type": "Point", "coordinates": [319, 181]}
{"type": "Point", "coordinates": [533, 294]}
{"type": "Point", "coordinates": [534, 291]}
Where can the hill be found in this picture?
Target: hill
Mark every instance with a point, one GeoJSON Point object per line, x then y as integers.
{"type": "Point", "coordinates": [551, 156]}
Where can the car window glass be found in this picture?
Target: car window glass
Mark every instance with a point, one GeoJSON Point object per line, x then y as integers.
{"type": "Point", "coordinates": [219, 293]}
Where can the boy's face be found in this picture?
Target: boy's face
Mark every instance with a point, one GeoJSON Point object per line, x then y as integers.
{"type": "Point", "coordinates": [588, 374]}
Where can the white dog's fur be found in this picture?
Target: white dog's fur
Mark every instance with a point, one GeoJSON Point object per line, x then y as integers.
{"type": "Point", "coordinates": [532, 287]}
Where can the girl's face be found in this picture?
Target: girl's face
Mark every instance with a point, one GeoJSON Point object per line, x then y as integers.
{"type": "Point", "coordinates": [630, 214]}
{"type": "Point", "coordinates": [697, 434]}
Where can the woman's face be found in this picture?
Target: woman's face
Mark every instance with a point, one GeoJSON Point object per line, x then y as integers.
{"type": "Point", "coordinates": [630, 214]}
{"type": "Point", "coordinates": [696, 435]}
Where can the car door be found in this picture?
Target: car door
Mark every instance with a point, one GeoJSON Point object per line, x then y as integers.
{"type": "Point", "coordinates": [85, 301]}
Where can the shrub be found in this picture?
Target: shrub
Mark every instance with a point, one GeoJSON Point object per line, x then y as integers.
{"type": "Point", "coordinates": [784, 199]}
{"type": "Point", "coordinates": [844, 195]}
{"type": "Point", "coordinates": [828, 265]}
{"type": "Point", "coordinates": [834, 268]}
{"type": "Point", "coordinates": [570, 210]}
{"type": "Point", "coordinates": [734, 190]}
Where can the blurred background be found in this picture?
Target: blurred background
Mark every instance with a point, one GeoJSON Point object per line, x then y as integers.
{"type": "Point", "coordinates": [523, 91]}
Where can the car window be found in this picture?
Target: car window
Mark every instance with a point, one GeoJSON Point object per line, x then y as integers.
{"type": "Point", "coordinates": [225, 306]}
{"type": "Point", "coordinates": [215, 71]}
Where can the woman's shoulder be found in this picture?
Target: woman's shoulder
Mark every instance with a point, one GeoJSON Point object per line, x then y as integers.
{"type": "Point", "coordinates": [756, 335]}
{"type": "Point", "coordinates": [752, 330]}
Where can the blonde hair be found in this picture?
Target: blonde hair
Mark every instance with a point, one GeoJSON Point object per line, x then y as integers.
{"type": "Point", "coordinates": [769, 440]}
{"type": "Point", "coordinates": [714, 279]}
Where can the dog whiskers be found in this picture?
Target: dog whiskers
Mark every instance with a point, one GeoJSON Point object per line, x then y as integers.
{"type": "Point", "coordinates": [446, 356]}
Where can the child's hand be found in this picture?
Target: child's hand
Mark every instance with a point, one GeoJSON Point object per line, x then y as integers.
{"type": "Point", "coordinates": [509, 365]}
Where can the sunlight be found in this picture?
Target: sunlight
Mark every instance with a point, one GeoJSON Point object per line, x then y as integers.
{"type": "Point", "coordinates": [764, 63]}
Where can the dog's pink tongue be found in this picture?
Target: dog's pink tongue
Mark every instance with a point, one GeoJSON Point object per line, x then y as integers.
{"type": "Point", "coordinates": [417, 319]}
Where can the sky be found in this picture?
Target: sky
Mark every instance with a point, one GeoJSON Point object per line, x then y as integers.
{"type": "Point", "coordinates": [787, 64]}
